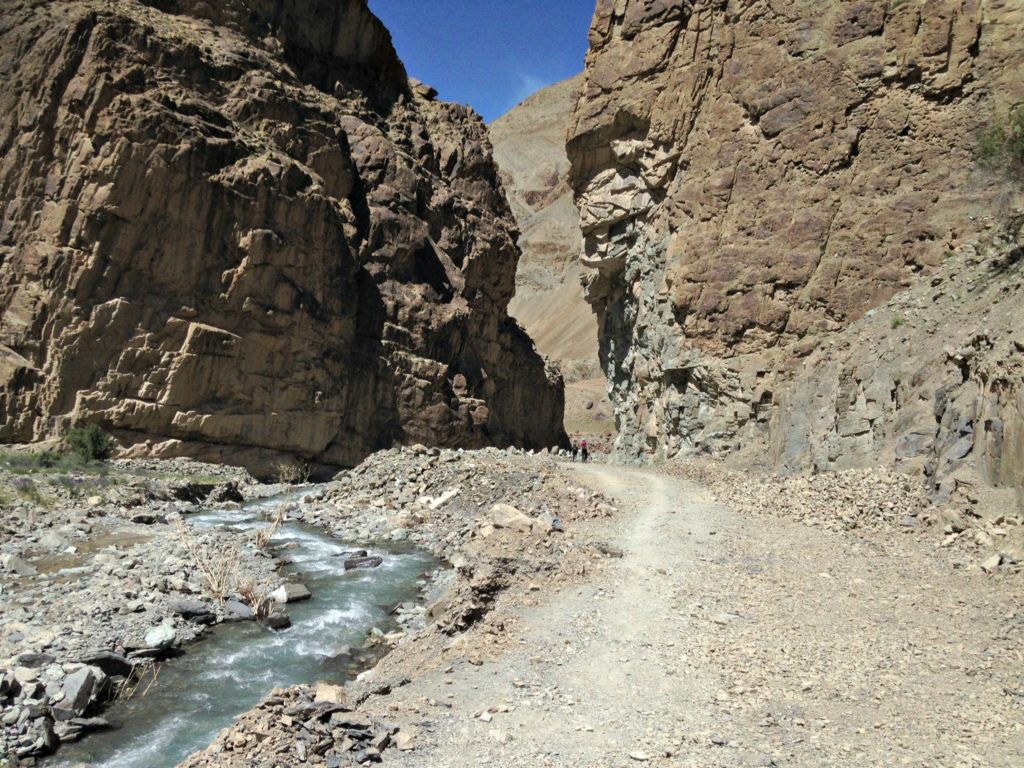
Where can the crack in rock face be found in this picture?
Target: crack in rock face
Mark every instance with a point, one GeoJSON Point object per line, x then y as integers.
{"type": "Point", "coordinates": [237, 231]}
{"type": "Point", "coordinates": [753, 179]}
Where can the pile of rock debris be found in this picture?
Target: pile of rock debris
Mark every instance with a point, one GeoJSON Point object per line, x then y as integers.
{"type": "Point", "coordinates": [876, 500]}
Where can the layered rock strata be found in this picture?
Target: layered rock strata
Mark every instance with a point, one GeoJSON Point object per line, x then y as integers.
{"type": "Point", "coordinates": [236, 231]}
{"type": "Point", "coordinates": [753, 177]}
{"type": "Point", "coordinates": [529, 147]}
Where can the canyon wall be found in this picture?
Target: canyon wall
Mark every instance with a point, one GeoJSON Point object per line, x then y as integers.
{"type": "Point", "coordinates": [753, 178]}
{"type": "Point", "coordinates": [237, 231]}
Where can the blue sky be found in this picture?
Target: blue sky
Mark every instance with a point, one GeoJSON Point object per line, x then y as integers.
{"type": "Point", "coordinates": [490, 54]}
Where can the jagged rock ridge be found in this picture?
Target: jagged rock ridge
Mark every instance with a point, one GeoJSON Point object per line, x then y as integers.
{"type": "Point", "coordinates": [753, 177]}
{"type": "Point", "coordinates": [236, 231]}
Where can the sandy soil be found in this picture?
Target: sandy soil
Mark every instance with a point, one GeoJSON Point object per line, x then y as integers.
{"type": "Point", "coordinates": [588, 412]}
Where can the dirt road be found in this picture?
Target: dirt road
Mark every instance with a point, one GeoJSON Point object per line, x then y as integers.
{"type": "Point", "coordinates": [718, 640]}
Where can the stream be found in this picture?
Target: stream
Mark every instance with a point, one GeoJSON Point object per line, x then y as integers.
{"type": "Point", "coordinates": [236, 665]}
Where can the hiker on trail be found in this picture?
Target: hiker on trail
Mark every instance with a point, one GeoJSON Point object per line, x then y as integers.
{"type": "Point", "coordinates": [584, 452]}
{"type": "Point", "coordinates": [575, 449]}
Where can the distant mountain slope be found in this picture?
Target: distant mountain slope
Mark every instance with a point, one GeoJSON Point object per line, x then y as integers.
{"type": "Point", "coordinates": [529, 147]}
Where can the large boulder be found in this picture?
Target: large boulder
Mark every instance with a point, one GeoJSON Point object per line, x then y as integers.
{"type": "Point", "coordinates": [161, 637]}
{"type": "Point", "coordinates": [507, 516]}
{"type": "Point", "coordinates": [79, 688]}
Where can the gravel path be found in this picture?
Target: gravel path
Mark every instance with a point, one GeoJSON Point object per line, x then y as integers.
{"type": "Point", "coordinates": [722, 640]}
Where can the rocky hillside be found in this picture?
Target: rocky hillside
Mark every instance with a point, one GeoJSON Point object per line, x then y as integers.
{"type": "Point", "coordinates": [755, 177]}
{"type": "Point", "coordinates": [236, 231]}
{"type": "Point", "coordinates": [529, 147]}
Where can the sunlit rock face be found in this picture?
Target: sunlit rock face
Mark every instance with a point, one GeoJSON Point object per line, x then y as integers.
{"type": "Point", "coordinates": [755, 176]}
{"type": "Point", "coordinates": [529, 147]}
{"type": "Point", "coordinates": [237, 231]}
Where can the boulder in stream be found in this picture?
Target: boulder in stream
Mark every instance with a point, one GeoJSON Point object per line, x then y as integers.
{"type": "Point", "coordinates": [290, 593]}
{"type": "Point", "coordinates": [363, 562]}
{"type": "Point", "coordinates": [278, 619]}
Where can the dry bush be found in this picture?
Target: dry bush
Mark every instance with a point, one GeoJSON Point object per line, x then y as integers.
{"type": "Point", "coordinates": [219, 568]}
{"type": "Point", "coordinates": [130, 685]}
{"type": "Point", "coordinates": [264, 535]}
{"type": "Point", "coordinates": [257, 597]}
{"type": "Point", "coordinates": [292, 474]}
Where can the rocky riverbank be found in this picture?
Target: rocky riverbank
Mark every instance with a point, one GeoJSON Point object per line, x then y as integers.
{"type": "Point", "coordinates": [104, 574]}
{"type": "Point", "coordinates": [101, 576]}
{"type": "Point", "coordinates": [513, 526]}
{"type": "Point", "coordinates": [794, 621]}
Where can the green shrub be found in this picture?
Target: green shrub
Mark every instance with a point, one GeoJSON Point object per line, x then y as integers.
{"type": "Point", "coordinates": [1001, 145]}
{"type": "Point", "coordinates": [897, 322]}
{"type": "Point", "coordinates": [90, 443]}
{"type": "Point", "coordinates": [27, 489]}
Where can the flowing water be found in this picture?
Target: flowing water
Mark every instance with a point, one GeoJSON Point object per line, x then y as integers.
{"type": "Point", "coordinates": [198, 694]}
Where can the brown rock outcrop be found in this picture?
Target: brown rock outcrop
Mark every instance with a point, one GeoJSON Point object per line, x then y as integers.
{"type": "Point", "coordinates": [529, 148]}
{"type": "Point", "coordinates": [753, 177]}
{"type": "Point", "coordinates": [236, 231]}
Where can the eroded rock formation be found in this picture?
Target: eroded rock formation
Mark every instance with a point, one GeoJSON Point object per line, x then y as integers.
{"type": "Point", "coordinates": [236, 231]}
{"type": "Point", "coordinates": [753, 177]}
{"type": "Point", "coordinates": [529, 147]}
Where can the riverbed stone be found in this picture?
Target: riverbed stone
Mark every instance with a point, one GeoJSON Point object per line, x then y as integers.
{"type": "Point", "coordinates": [236, 610]}
{"type": "Point", "coordinates": [53, 542]}
{"type": "Point", "coordinates": [290, 593]}
{"type": "Point", "coordinates": [991, 564]}
{"type": "Point", "coordinates": [404, 740]}
{"type": "Point", "coordinates": [198, 611]}
{"type": "Point", "coordinates": [112, 664]}
{"type": "Point", "coordinates": [66, 732]}
{"type": "Point", "coordinates": [25, 675]}
{"type": "Point", "coordinates": [331, 694]}
{"type": "Point", "coordinates": [363, 562]}
{"type": "Point", "coordinates": [78, 690]}
{"type": "Point", "coordinates": [161, 637]}
{"type": "Point", "coordinates": [17, 566]}
{"type": "Point", "coordinates": [90, 723]}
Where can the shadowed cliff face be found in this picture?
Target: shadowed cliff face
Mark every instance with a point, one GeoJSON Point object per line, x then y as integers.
{"type": "Point", "coordinates": [237, 232]}
{"type": "Point", "coordinates": [753, 177]}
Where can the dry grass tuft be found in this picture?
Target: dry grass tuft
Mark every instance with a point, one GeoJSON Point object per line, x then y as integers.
{"type": "Point", "coordinates": [264, 536]}
{"type": "Point", "coordinates": [219, 569]}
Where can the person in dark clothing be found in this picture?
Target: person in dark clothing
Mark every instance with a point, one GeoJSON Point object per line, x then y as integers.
{"type": "Point", "coordinates": [575, 449]}
{"type": "Point", "coordinates": [584, 450]}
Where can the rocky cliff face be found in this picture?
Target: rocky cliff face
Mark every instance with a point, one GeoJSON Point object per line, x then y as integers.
{"type": "Point", "coordinates": [753, 177]}
{"type": "Point", "coordinates": [529, 147]}
{"type": "Point", "coordinates": [236, 231]}
{"type": "Point", "coordinates": [931, 381]}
